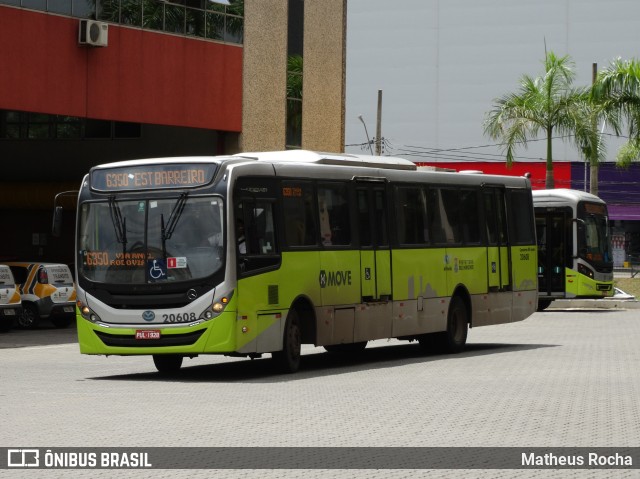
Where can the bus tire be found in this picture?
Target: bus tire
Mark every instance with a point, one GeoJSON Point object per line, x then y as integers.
{"type": "Point", "coordinates": [350, 348]}
{"type": "Point", "coordinates": [29, 318]}
{"type": "Point", "coordinates": [288, 360]}
{"type": "Point", "coordinates": [457, 326]}
{"type": "Point", "coordinates": [167, 363]}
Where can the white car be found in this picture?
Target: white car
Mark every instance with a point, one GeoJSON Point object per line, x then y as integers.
{"type": "Point", "coordinates": [48, 292]}
{"type": "Point", "coordinates": [10, 305]}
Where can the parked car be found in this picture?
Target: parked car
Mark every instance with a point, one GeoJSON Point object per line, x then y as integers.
{"type": "Point", "coordinates": [47, 291]}
{"type": "Point", "coordinates": [10, 305]}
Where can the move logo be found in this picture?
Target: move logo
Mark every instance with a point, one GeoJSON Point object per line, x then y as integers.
{"type": "Point", "coordinates": [334, 278]}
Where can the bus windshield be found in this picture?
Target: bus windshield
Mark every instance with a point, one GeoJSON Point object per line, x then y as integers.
{"type": "Point", "coordinates": [596, 246]}
{"type": "Point", "coordinates": [151, 240]}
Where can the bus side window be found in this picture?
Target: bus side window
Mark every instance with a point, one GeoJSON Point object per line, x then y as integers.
{"type": "Point", "coordinates": [298, 204]}
{"type": "Point", "coordinates": [451, 217]}
{"type": "Point", "coordinates": [491, 217]}
{"type": "Point", "coordinates": [521, 210]}
{"type": "Point", "coordinates": [364, 220]}
{"type": "Point", "coordinates": [411, 216]}
{"type": "Point", "coordinates": [470, 216]}
{"type": "Point", "coordinates": [444, 215]}
{"type": "Point", "coordinates": [434, 221]}
{"type": "Point", "coordinates": [333, 211]}
{"type": "Point", "coordinates": [256, 242]}
{"type": "Point", "coordinates": [255, 233]}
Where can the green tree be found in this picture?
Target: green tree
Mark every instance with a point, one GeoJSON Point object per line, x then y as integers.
{"type": "Point", "coordinates": [616, 91]}
{"type": "Point", "coordinates": [545, 105]}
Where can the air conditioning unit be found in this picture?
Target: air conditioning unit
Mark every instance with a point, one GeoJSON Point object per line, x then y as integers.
{"type": "Point", "coordinates": [93, 33]}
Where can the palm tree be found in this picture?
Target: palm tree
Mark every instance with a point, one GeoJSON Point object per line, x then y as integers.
{"type": "Point", "coordinates": [617, 92]}
{"type": "Point", "coordinates": [589, 114]}
{"type": "Point", "coordinates": [543, 105]}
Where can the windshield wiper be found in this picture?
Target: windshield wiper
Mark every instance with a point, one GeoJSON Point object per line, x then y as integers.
{"type": "Point", "coordinates": [119, 223]}
{"type": "Point", "coordinates": [167, 231]}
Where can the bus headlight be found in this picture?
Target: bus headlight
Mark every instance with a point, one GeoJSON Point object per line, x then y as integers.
{"type": "Point", "coordinates": [86, 312]}
{"type": "Point", "coordinates": [218, 306]}
{"type": "Point", "coordinates": [215, 309]}
{"type": "Point", "coordinates": [582, 269]}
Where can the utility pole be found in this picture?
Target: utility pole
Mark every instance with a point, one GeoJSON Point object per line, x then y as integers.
{"type": "Point", "coordinates": [593, 180]}
{"type": "Point", "coordinates": [379, 125]}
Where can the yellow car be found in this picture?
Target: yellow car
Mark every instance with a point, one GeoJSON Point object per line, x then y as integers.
{"type": "Point", "coordinates": [47, 291]}
{"type": "Point", "coordinates": [10, 306]}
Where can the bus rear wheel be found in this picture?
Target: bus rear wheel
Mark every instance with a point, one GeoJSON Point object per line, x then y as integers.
{"type": "Point", "coordinates": [167, 363]}
{"type": "Point", "coordinates": [457, 326]}
{"type": "Point", "coordinates": [288, 360]}
{"type": "Point", "coordinates": [454, 338]}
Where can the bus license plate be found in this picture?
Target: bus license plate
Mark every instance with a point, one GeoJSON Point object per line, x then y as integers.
{"type": "Point", "coordinates": [69, 309]}
{"type": "Point", "coordinates": [148, 334]}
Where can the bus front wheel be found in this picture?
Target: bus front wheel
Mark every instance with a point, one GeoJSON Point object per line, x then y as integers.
{"type": "Point", "coordinates": [167, 363]}
{"type": "Point", "coordinates": [288, 360]}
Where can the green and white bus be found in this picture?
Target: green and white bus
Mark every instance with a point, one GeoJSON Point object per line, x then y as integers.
{"type": "Point", "coordinates": [262, 252]}
{"type": "Point", "coordinates": [574, 246]}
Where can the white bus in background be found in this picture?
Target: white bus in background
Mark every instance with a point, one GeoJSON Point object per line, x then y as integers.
{"type": "Point", "coordinates": [575, 258]}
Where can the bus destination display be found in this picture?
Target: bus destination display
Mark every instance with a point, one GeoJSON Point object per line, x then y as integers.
{"type": "Point", "coordinates": [159, 176]}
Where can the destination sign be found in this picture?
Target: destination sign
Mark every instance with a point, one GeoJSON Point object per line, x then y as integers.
{"type": "Point", "coordinates": [150, 177]}
{"type": "Point", "coordinates": [595, 209]}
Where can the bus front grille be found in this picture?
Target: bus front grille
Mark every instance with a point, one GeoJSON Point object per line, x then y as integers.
{"type": "Point", "coordinates": [130, 341]}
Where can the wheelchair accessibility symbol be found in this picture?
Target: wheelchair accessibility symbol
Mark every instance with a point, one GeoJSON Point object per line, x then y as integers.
{"type": "Point", "coordinates": [157, 269]}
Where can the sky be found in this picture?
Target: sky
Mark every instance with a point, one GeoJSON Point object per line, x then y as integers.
{"type": "Point", "coordinates": [441, 63]}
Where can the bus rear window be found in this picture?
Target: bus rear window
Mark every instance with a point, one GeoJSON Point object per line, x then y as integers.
{"type": "Point", "coordinates": [521, 212]}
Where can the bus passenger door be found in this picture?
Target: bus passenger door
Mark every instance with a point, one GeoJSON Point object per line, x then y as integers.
{"type": "Point", "coordinates": [498, 260]}
{"type": "Point", "coordinates": [553, 226]}
{"type": "Point", "coordinates": [375, 255]}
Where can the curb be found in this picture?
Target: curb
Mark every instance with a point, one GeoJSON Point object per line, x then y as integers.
{"type": "Point", "coordinates": [594, 304]}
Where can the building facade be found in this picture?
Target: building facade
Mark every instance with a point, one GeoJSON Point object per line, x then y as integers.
{"type": "Point", "coordinates": [85, 82]}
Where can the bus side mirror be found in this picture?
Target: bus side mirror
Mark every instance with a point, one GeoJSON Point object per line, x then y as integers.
{"type": "Point", "coordinates": [56, 227]}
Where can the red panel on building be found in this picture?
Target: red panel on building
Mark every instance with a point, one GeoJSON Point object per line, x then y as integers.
{"type": "Point", "coordinates": [561, 170]}
{"type": "Point", "coordinates": [141, 76]}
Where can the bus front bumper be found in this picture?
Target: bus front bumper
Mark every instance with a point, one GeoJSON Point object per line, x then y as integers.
{"type": "Point", "coordinates": [216, 336]}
